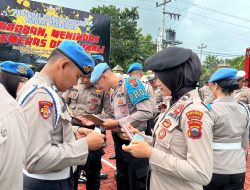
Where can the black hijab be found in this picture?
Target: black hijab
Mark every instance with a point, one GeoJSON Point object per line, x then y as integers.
{"type": "Point", "coordinates": [10, 82]}
{"type": "Point", "coordinates": [182, 78]}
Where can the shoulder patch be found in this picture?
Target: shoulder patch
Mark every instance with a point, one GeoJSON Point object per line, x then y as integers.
{"type": "Point", "coordinates": [194, 114]}
{"type": "Point", "coordinates": [45, 109]}
{"type": "Point", "coordinates": [194, 129]}
{"type": "Point", "coordinates": [133, 82]}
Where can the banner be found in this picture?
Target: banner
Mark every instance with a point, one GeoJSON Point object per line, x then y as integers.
{"type": "Point", "coordinates": [30, 30]}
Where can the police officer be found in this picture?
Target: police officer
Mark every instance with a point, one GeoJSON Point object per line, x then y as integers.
{"type": "Point", "coordinates": [153, 82]}
{"type": "Point", "coordinates": [163, 101]}
{"type": "Point", "coordinates": [52, 149]}
{"type": "Point", "coordinates": [82, 99]}
{"type": "Point", "coordinates": [13, 126]}
{"type": "Point", "coordinates": [206, 94]}
{"type": "Point", "coordinates": [230, 132]}
{"type": "Point", "coordinates": [14, 75]}
{"type": "Point", "coordinates": [131, 104]}
{"type": "Point", "coordinates": [243, 93]}
{"type": "Point", "coordinates": [180, 152]}
{"type": "Point", "coordinates": [135, 70]}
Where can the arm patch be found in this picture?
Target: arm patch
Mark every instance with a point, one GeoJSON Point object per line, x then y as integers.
{"type": "Point", "coordinates": [136, 90]}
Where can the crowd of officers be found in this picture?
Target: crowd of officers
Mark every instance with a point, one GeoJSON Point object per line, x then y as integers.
{"type": "Point", "coordinates": [182, 137]}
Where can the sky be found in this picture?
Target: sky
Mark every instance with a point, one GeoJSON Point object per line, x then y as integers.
{"type": "Point", "coordinates": [223, 26]}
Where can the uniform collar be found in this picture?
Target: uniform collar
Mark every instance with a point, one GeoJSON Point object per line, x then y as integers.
{"type": "Point", "coordinates": [46, 80]}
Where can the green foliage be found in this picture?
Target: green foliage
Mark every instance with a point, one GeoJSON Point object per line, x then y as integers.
{"type": "Point", "coordinates": [237, 62]}
{"type": "Point", "coordinates": [128, 44]}
{"type": "Point", "coordinates": [211, 62]}
{"type": "Point", "coordinates": [208, 67]}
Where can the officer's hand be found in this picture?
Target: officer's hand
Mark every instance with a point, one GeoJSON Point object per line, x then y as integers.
{"type": "Point", "coordinates": [85, 121]}
{"type": "Point", "coordinates": [123, 134]}
{"type": "Point", "coordinates": [82, 132]}
{"type": "Point", "coordinates": [95, 140]}
{"type": "Point", "coordinates": [110, 124]}
{"type": "Point", "coordinates": [138, 148]}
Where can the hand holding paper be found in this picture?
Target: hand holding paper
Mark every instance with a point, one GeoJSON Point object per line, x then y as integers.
{"type": "Point", "coordinates": [138, 148]}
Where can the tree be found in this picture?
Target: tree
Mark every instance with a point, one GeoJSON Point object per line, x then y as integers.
{"type": "Point", "coordinates": [237, 62]}
{"type": "Point", "coordinates": [128, 44]}
{"type": "Point", "coordinates": [211, 62]}
{"type": "Point", "coordinates": [208, 67]}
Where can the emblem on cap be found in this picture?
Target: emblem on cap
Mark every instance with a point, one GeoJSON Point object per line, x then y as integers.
{"type": "Point", "coordinates": [22, 70]}
{"type": "Point", "coordinates": [88, 68]}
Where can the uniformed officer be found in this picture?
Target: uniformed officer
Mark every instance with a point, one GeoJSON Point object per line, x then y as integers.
{"type": "Point", "coordinates": [206, 94]}
{"type": "Point", "coordinates": [14, 75]}
{"type": "Point", "coordinates": [82, 99]}
{"type": "Point", "coordinates": [230, 132]}
{"type": "Point", "coordinates": [52, 149]}
{"type": "Point", "coordinates": [163, 101]}
{"type": "Point", "coordinates": [180, 152]}
{"type": "Point", "coordinates": [131, 104]}
{"type": "Point", "coordinates": [243, 93]}
{"type": "Point", "coordinates": [135, 70]}
{"type": "Point", "coordinates": [153, 82]}
{"type": "Point", "coordinates": [13, 129]}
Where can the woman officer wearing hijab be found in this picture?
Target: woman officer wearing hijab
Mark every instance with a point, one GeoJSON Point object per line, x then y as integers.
{"type": "Point", "coordinates": [180, 152]}
{"type": "Point", "coordinates": [13, 76]}
{"type": "Point", "coordinates": [230, 132]}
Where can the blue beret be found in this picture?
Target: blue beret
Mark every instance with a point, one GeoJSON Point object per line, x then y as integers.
{"type": "Point", "coordinates": [168, 58]}
{"type": "Point", "coordinates": [98, 57]}
{"type": "Point", "coordinates": [77, 54]}
{"type": "Point", "coordinates": [224, 73]}
{"type": "Point", "coordinates": [98, 71]}
{"type": "Point", "coordinates": [134, 67]}
{"type": "Point", "coordinates": [20, 69]}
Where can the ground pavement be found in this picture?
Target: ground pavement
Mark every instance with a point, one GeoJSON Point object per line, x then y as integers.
{"type": "Point", "coordinates": [109, 167]}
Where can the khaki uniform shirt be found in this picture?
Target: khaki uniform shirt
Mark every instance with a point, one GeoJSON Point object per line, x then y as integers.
{"type": "Point", "coordinates": [230, 126]}
{"type": "Point", "coordinates": [243, 95]}
{"type": "Point", "coordinates": [126, 112]}
{"type": "Point", "coordinates": [206, 95]}
{"type": "Point", "coordinates": [51, 148]}
{"type": "Point", "coordinates": [13, 142]}
{"type": "Point", "coordinates": [152, 97]}
{"type": "Point", "coordinates": [182, 154]}
{"type": "Point", "coordinates": [88, 100]}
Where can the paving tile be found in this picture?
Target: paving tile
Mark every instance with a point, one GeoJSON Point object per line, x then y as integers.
{"type": "Point", "coordinates": [110, 183]}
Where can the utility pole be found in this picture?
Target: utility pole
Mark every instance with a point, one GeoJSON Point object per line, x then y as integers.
{"type": "Point", "coordinates": [161, 32]}
{"type": "Point", "coordinates": [161, 40]}
{"type": "Point", "coordinates": [201, 49]}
